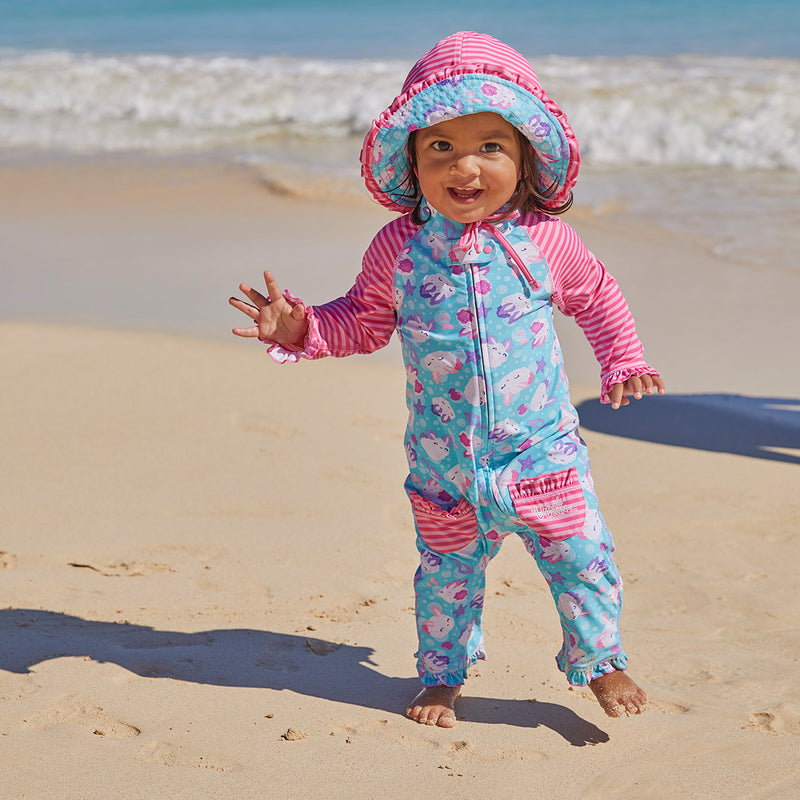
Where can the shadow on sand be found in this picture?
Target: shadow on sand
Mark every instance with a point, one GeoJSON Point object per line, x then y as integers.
{"type": "Point", "coordinates": [720, 423]}
{"type": "Point", "coordinates": [255, 659]}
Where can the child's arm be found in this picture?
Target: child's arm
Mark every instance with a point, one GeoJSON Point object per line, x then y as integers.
{"type": "Point", "coordinates": [584, 290]}
{"type": "Point", "coordinates": [364, 319]}
{"type": "Point", "coordinates": [361, 321]}
{"type": "Point", "coordinates": [277, 320]}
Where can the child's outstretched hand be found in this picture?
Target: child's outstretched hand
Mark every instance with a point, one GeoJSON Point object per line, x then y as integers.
{"type": "Point", "coordinates": [274, 318]}
{"type": "Point", "coordinates": [637, 386]}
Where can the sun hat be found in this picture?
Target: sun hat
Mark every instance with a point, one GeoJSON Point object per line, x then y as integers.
{"type": "Point", "coordinates": [469, 73]}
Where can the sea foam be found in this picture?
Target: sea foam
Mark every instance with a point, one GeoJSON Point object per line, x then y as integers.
{"type": "Point", "coordinates": [680, 111]}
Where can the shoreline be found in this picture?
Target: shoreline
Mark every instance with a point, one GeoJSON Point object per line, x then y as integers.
{"type": "Point", "coordinates": [157, 244]}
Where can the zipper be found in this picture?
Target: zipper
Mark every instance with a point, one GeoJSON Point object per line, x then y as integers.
{"type": "Point", "coordinates": [482, 367]}
{"type": "Point", "coordinates": [469, 240]}
{"type": "Point", "coordinates": [519, 263]}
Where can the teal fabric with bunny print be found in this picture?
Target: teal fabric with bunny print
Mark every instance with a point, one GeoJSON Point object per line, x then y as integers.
{"type": "Point", "coordinates": [493, 446]}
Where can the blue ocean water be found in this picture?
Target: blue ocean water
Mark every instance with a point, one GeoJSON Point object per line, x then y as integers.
{"type": "Point", "coordinates": [403, 29]}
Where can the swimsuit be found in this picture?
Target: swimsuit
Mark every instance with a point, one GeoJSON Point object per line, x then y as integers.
{"type": "Point", "coordinates": [492, 439]}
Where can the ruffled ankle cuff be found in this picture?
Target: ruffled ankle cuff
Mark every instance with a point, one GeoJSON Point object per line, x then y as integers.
{"type": "Point", "coordinates": [582, 676]}
{"type": "Point", "coordinates": [455, 678]}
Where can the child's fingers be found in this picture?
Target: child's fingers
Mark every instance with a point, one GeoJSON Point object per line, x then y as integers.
{"type": "Point", "coordinates": [247, 333]}
{"type": "Point", "coordinates": [652, 384]}
{"type": "Point", "coordinates": [638, 387]}
{"type": "Point", "coordinates": [254, 295]}
{"type": "Point", "coordinates": [618, 395]}
{"type": "Point", "coordinates": [245, 308]}
{"type": "Point", "coordinates": [274, 290]}
{"type": "Point", "coordinates": [634, 386]}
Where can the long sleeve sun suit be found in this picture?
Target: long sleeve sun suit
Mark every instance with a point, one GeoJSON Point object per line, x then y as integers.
{"type": "Point", "coordinates": [492, 439]}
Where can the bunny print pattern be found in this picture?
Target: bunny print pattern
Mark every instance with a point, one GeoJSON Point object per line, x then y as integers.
{"type": "Point", "coordinates": [493, 447]}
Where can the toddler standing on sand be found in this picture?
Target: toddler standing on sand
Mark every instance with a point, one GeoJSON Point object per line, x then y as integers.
{"type": "Point", "coordinates": [479, 160]}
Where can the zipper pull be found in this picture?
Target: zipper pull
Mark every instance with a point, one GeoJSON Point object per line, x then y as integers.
{"type": "Point", "coordinates": [515, 257]}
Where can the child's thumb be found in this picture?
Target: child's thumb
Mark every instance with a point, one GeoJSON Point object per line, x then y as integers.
{"type": "Point", "coordinates": [298, 311]}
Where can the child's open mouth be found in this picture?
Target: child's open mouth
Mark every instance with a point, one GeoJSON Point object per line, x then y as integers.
{"type": "Point", "coordinates": [464, 195]}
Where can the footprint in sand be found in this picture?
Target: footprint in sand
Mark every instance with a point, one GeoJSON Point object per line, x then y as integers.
{"type": "Point", "coordinates": [93, 718]}
{"type": "Point", "coordinates": [783, 719]}
{"type": "Point", "coordinates": [654, 704]}
{"type": "Point", "coordinates": [172, 755]}
{"type": "Point", "coordinates": [319, 647]}
{"type": "Point", "coordinates": [665, 706]}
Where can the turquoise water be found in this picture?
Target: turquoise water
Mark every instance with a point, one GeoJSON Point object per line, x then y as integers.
{"type": "Point", "coordinates": [401, 30]}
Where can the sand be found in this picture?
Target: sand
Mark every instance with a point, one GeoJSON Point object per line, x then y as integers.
{"type": "Point", "coordinates": [206, 558]}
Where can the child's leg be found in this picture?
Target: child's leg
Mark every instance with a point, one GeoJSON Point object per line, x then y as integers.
{"type": "Point", "coordinates": [587, 589]}
{"type": "Point", "coordinates": [449, 590]}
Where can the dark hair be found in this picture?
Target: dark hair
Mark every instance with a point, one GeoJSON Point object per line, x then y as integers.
{"type": "Point", "coordinates": [527, 196]}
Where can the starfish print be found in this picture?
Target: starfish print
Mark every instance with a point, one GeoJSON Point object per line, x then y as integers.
{"type": "Point", "coordinates": [526, 463]}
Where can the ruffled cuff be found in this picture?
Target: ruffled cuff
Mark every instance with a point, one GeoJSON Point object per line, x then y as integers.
{"type": "Point", "coordinates": [620, 375]}
{"type": "Point", "coordinates": [454, 678]}
{"type": "Point", "coordinates": [583, 676]}
{"type": "Point", "coordinates": [313, 344]}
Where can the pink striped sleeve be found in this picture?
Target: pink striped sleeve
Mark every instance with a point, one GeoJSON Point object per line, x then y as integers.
{"type": "Point", "coordinates": [364, 319]}
{"type": "Point", "coordinates": [583, 289]}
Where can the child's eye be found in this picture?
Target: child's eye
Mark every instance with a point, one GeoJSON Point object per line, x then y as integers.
{"type": "Point", "coordinates": [441, 146]}
{"type": "Point", "coordinates": [491, 147]}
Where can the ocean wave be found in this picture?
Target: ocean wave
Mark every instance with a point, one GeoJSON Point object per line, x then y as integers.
{"type": "Point", "coordinates": [683, 111]}
{"type": "Point", "coordinates": [688, 110]}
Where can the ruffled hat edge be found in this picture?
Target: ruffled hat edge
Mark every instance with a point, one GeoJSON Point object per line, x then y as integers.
{"type": "Point", "coordinates": [468, 73]}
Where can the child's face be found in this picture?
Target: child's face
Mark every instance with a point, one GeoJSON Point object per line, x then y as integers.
{"type": "Point", "coordinates": [468, 167]}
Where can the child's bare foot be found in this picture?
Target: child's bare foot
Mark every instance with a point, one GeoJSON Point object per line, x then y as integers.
{"type": "Point", "coordinates": [618, 694]}
{"type": "Point", "coordinates": [435, 705]}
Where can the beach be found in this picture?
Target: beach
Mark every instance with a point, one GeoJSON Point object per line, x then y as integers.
{"type": "Point", "coordinates": [206, 558]}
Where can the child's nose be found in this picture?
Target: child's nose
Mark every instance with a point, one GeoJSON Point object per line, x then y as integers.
{"type": "Point", "coordinates": [466, 166]}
